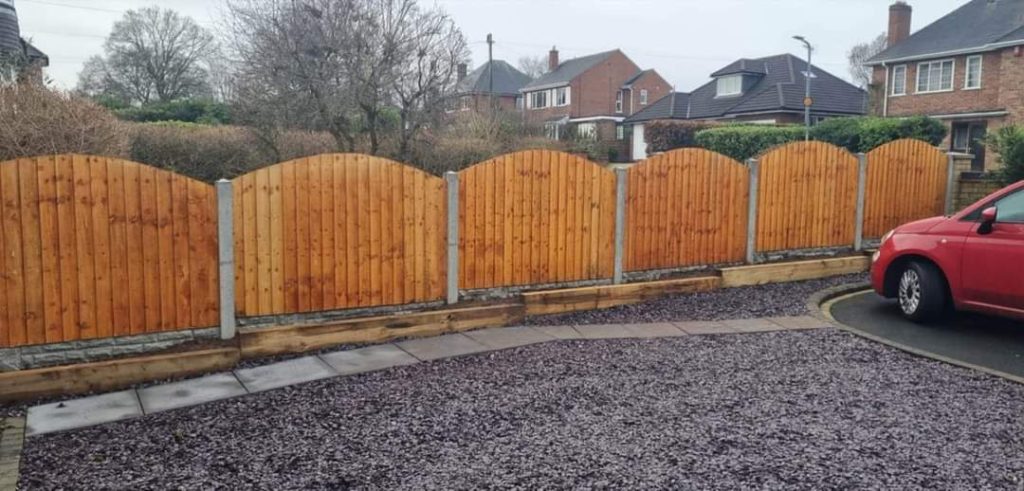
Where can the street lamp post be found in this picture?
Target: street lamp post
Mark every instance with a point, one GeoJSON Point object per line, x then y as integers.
{"type": "Point", "coordinates": [807, 94]}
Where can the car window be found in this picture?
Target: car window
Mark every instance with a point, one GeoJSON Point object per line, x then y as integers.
{"type": "Point", "coordinates": [1011, 208]}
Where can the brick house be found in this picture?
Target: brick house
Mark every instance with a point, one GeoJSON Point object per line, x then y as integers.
{"type": "Point", "coordinates": [966, 69]}
{"type": "Point", "coordinates": [473, 91]}
{"type": "Point", "coordinates": [13, 46]}
{"type": "Point", "coordinates": [767, 90]}
{"type": "Point", "coordinates": [591, 95]}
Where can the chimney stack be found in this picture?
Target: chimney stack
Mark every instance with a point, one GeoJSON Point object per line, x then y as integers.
{"type": "Point", "coordinates": [552, 59]}
{"type": "Point", "coordinates": [899, 22]}
{"type": "Point", "coordinates": [461, 71]}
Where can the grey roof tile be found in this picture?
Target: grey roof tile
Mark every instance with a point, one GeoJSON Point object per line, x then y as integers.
{"type": "Point", "coordinates": [973, 26]}
{"type": "Point", "coordinates": [780, 88]}
{"type": "Point", "coordinates": [568, 70]}
{"type": "Point", "coordinates": [507, 80]}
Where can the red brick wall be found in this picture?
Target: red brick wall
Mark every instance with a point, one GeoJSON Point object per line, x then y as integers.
{"type": "Point", "coordinates": [593, 92]}
{"type": "Point", "coordinates": [656, 88]}
{"type": "Point", "coordinates": [959, 100]}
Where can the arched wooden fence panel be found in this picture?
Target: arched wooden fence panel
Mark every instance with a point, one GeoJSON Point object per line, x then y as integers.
{"type": "Point", "coordinates": [337, 231]}
{"type": "Point", "coordinates": [95, 247]}
{"type": "Point", "coordinates": [535, 217]}
{"type": "Point", "coordinates": [807, 194]}
{"type": "Point", "coordinates": [684, 208]}
{"type": "Point", "coordinates": [906, 181]}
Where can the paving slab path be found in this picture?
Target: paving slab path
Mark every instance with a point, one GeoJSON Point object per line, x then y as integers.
{"type": "Point", "coordinates": [135, 403]}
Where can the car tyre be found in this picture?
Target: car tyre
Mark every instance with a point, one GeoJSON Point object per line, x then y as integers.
{"type": "Point", "coordinates": [922, 292]}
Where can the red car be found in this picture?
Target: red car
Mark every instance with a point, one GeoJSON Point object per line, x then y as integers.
{"type": "Point", "coordinates": [973, 260]}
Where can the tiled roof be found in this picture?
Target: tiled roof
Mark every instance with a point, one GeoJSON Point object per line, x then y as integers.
{"type": "Point", "coordinates": [975, 26]}
{"type": "Point", "coordinates": [780, 87]}
{"type": "Point", "coordinates": [507, 80]}
{"type": "Point", "coordinates": [568, 70]}
{"type": "Point", "coordinates": [10, 37]}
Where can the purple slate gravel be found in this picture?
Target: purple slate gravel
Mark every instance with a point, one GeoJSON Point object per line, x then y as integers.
{"type": "Point", "coordinates": [796, 410]}
{"type": "Point", "coordinates": [774, 300]}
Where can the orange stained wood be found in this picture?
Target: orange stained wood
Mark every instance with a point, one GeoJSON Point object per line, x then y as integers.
{"type": "Point", "coordinates": [535, 217]}
{"type": "Point", "coordinates": [338, 231]}
{"type": "Point", "coordinates": [807, 197]}
{"type": "Point", "coordinates": [683, 208]}
{"type": "Point", "coordinates": [906, 181]}
{"type": "Point", "coordinates": [76, 262]}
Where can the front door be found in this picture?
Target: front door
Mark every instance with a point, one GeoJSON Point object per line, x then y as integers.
{"type": "Point", "coordinates": [639, 145]}
{"type": "Point", "coordinates": [993, 263]}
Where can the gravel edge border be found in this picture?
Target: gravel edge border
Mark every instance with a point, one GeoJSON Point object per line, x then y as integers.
{"type": "Point", "coordinates": [820, 306]}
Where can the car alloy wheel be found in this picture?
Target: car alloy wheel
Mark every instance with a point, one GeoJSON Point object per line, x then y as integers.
{"type": "Point", "coordinates": [910, 291]}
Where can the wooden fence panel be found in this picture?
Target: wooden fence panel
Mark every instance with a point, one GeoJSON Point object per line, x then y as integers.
{"type": "Point", "coordinates": [686, 207]}
{"type": "Point", "coordinates": [76, 262]}
{"type": "Point", "coordinates": [807, 197]}
{"type": "Point", "coordinates": [906, 181]}
{"type": "Point", "coordinates": [535, 217]}
{"type": "Point", "coordinates": [337, 231]}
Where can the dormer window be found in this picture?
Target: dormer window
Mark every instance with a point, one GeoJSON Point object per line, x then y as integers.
{"type": "Point", "coordinates": [730, 86]}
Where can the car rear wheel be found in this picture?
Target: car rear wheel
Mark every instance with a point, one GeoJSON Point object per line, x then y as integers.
{"type": "Point", "coordinates": [922, 292]}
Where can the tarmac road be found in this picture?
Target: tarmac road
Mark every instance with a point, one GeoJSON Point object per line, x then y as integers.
{"type": "Point", "coordinates": [990, 342]}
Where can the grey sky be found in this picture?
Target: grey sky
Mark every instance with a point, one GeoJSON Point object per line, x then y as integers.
{"type": "Point", "coordinates": [685, 40]}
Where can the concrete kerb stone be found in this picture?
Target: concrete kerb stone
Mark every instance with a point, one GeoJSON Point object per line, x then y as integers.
{"type": "Point", "coordinates": [368, 359]}
{"type": "Point", "coordinates": [509, 337]}
{"type": "Point", "coordinates": [191, 392]}
{"type": "Point", "coordinates": [12, 436]}
{"type": "Point", "coordinates": [284, 373]}
{"type": "Point", "coordinates": [444, 346]}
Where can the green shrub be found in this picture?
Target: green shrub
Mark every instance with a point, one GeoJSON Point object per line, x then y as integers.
{"type": "Point", "coordinates": [1008, 143]}
{"type": "Point", "coordinates": [663, 136]}
{"type": "Point", "coordinates": [742, 142]}
{"type": "Point", "coordinates": [862, 134]}
{"type": "Point", "coordinates": [187, 110]}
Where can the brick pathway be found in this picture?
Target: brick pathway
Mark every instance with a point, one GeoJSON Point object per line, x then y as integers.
{"type": "Point", "coordinates": [132, 403]}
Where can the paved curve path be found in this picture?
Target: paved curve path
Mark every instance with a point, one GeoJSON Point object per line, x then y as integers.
{"type": "Point", "coordinates": [990, 342]}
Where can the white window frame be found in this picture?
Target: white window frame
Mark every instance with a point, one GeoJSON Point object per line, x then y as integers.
{"type": "Point", "coordinates": [562, 97]}
{"type": "Point", "coordinates": [643, 97]}
{"type": "Point", "coordinates": [952, 76]}
{"type": "Point", "coordinates": [967, 71]}
{"type": "Point", "coordinates": [895, 70]}
{"type": "Point", "coordinates": [961, 132]}
{"type": "Point", "coordinates": [618, 102]}
{"type": "Point", "coordinates": [620, 132]}
{"type": "Point", "coordinates": [729, 78]}
{"type": "Point", "coordinates": [533, 96]}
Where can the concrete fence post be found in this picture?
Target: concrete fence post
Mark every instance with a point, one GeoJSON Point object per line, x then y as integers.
{"type": "Point", "coordinates": [452, 179]}
{"type": "Point", "coordinates": [754, 165]}
{"type": "Point", "coordinates": [862, 183]}
{"type": "Point", "coordinates": [226, 258]}
{"type": "Point", "coordinates": [950, 181]}
{"type": "Point", "coordinates": [620, 222]}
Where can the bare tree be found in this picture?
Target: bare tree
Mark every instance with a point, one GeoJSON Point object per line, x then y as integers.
{"type": "Point", "coordinates": [347, 66]}
{"type": "Point", "coordinates": [151, 55]}
{"type": "Point", "coordinates": [534, 66]}
{"type": "Point", "coordinates": [861, 53]}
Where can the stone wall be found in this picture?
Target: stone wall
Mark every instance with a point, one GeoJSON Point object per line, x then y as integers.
{"type": "Point", "coordinates": [45, 355]}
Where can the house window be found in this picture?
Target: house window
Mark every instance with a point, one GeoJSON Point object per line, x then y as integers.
{"type": "Point", "coordinates": [618, 101]}
{"type": "Point", "coordinates": [539, 99]}
{"type": "Point", "coordinates": [587, 131]}
{"type": "Point", "coordinates": [899, 80]}
{"type": "Point", "coordinates": [519, 102]}
{"type": "Point", "coordinates": [553, 130]}
{"type": "Point", "coordinates": [643, 97]}
{"type": "Point", "coordinates": [972, 80]}
{"type": "Point", "coordinates": [935, 76]}
{"type": "Point", "coordinates": [562, 96]}
{"type": "Point", "coordinates": [961, 137]}
{"type": "Point", "coordinates": [728, 86]}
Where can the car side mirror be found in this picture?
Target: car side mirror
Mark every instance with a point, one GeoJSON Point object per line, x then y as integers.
{"type": "Point", "coordinates": [988, 219]}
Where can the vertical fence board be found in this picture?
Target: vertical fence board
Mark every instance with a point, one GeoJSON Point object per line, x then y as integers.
{"type": "Point", "coordinates": [94, 247]}
{"type": "Point", "coordinates": [906, 180]}
{"type": "Point", "coordinates": [542, 223]}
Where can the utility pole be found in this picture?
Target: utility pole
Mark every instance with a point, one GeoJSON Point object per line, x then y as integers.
{"type": "Point", "coordinates": [808, 101]}
{"type": "Point", "coordinates": [490, 71]}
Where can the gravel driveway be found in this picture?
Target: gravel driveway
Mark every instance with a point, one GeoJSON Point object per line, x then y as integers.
{"type": "Point", "coordinates": [773, 300]}
{"type": "Point", "coordinates": [807, 409]}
